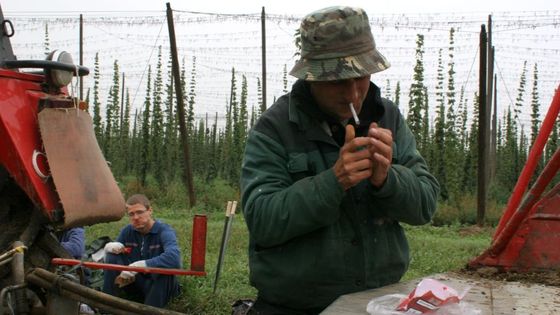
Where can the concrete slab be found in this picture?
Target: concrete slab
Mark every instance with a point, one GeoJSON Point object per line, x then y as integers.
{"type": "Point", "coordinates": [489, 296]}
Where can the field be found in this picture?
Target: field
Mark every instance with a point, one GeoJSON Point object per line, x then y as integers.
{"type": "Point", "coordinates": [433, 250]}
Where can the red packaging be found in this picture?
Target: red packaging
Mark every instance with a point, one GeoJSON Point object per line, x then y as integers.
{"type": "Point", "coordinates": [428, 296]}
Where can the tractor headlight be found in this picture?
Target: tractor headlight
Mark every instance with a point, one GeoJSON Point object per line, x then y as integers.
{"type": "Point", "coordinates": [60, 78]}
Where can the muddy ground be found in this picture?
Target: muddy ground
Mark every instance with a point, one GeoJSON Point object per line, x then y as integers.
{"type": "Point", "coordinates": [550, 277]}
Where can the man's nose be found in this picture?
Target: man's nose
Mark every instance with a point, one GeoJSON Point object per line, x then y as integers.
{"type": "Point", "coordinates": [351, 90]}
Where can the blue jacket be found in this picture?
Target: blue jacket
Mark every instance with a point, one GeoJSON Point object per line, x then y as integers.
{"type": "Point", "coordinates": [73, 241]}
{"type": "Point", "coordinates": [158, 247]}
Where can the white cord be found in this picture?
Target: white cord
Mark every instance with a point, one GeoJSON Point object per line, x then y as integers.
{"type": "Point", "coordinates": [40, 173]}
{"type": "Point", "coordinates": [74, 90]}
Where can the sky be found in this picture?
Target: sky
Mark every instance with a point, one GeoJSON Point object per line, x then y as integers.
{"type": "Point", "coordinates": [283, 6]}
{"type": "Point", "coordinates": [220, 45]}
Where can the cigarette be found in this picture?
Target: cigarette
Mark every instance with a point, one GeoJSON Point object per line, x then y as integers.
{"type": "Point", "coordinates": [356, 119]}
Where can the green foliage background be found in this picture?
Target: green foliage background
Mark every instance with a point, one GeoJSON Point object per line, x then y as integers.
{"type": "Point", "coordinates": [144, 150]}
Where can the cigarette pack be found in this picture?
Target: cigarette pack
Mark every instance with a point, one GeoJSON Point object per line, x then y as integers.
{"type": "Point", "coordinates": [428, 296]}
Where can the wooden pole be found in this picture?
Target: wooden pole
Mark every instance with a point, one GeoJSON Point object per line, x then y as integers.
{"type": "Point", "coordinates": [180, 108]}
{"type": "Point", "coordinates": [81, 55]}
{"type": "Point", "coordinates": [263, 39]}
{"type": "Point", "coordinates": [489, 97]}
{"type": "Point", "coordinates": [122, 107]}
{"type": "Point", "coordinates": [482, 131]}
{"type": "Point", "coordinates": [494, 131]}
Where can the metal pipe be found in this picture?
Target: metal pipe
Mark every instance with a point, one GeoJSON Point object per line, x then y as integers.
{"type": "Point", "coordinates": [5, 291]}
{"type": "Point", "coordinates": [33, 278]}
{"type": "Point", "coordinates": [18, 275]}
{"type": "Point", "coordinates": [66, 287]}
{"type": "Point", "coordinates": [223, 245]}
{"type": "Point", "coordinates": [104, 266]}
{"type": "Point", "coordinates": [5, 262]}
{"type": "Point", "coordinates": [11, 252]}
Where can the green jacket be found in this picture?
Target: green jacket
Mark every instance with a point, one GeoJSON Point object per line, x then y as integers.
{"type": "Point", "coordinates": [310, 241]}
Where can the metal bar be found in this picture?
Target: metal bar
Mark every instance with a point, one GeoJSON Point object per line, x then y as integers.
{"type": "Point", "coordinates": [532, 161]}
{"type": "Point", "coordinates": [104, 266]}
{"type": "Point", "coordinates": [545, 217]}
{"type": "Point", "coordinates": [230, 223]}
{"type": "Point", "coordinates": [222, 245]}
{"type": "Point", "coordinates": [198, 252]}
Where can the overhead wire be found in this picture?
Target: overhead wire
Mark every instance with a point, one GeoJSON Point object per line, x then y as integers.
{"type": "Point", "coordinates": [434, 26]}
{"type": "Point", "coordinates": [147, 64]}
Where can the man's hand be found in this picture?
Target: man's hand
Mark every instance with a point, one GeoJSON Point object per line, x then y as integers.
{"type": "Point", "coordinates": [114, 247]}
{"type": "Point", "coordinates": [127, 277]}
{"type": "Point", "coordinates": [381, 153]}
{"type": "Point", "coordinates": [353, 164]}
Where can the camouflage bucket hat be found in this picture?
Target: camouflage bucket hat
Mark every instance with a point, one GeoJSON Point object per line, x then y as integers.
{"type": "Point", "coordinates": [337, 44]}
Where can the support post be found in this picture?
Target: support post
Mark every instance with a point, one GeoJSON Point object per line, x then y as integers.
{"type": "Point", "coordinates": [81, 56]}
{"type": "Point", "coordinates": [482, 130]}
{"type": "Point", "coordinates": [180, 108]}
{"type": "Point", "coordinates": [263, 39]}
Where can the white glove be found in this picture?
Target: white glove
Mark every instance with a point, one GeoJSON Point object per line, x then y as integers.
{"type": "Point", "coordinates": [114, 247]}
{"type": "Point", "coordinates": [127, 275]}
{"type": "Point", "coordinates": [140, 263]}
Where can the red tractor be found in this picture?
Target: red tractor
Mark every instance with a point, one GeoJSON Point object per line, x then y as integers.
{"type": "Point", "coordinates": [53, 176]}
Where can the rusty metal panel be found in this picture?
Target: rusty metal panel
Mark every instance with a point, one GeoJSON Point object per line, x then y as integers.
{"type": "Point", "coordinates": [86, 187]}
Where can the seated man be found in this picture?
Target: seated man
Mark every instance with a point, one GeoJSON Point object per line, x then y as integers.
{"type": "Point", "coordinates": [73, 241]}
{"type": "Point", "coordinates": [145, 242]}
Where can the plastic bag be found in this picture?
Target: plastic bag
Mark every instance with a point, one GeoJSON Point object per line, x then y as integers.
{"type": "Point", "coordinates": [429, 297]}
{"type": "Point", "coordinates": [385, 305]}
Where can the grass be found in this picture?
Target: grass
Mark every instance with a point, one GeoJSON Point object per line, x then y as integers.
{"type": "Point", "coordinates": [440, 249]}
{"type": "Point", "coordinates": [433, 250]}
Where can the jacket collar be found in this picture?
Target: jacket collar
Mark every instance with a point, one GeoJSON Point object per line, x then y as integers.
{"type": "Point", "coordinates": [156, 228]}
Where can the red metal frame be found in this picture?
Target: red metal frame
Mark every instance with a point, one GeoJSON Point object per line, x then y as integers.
{"type": "Point", "coordinates": [528, 235]}
{"type": "Point", "coordinates": [20, 94]}
{"type": "Point", "coordinates": [95, 265]}
{"type": "Point", "coordinates": [532, 161]}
